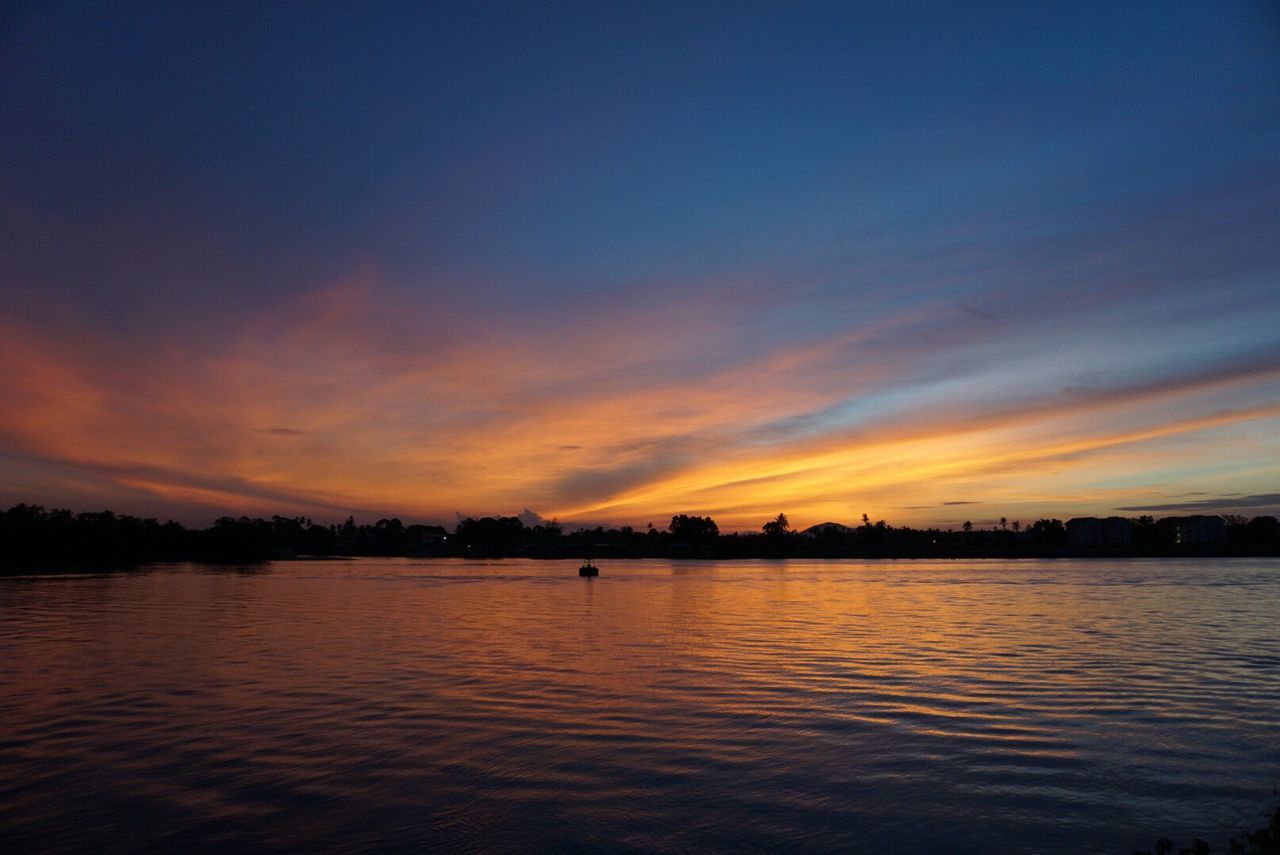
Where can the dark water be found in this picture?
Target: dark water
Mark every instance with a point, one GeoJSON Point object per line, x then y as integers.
{"type": "Point", "coordinates": [1036, 706]}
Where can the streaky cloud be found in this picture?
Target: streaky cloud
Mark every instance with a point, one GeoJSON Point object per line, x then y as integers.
{"type": "Point", "coordinates": [282, 431]}
{"type": "Point", "coordinates": [1222, 503]}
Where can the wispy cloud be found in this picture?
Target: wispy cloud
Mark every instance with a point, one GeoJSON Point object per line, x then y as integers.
{"type": "Point", "coordinates": [1261, 501]}
{"type": "Point", "coordinates": [358, 395]}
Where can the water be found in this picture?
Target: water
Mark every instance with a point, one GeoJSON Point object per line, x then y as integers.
{"type": "Point", "coordinates": [975, 706]}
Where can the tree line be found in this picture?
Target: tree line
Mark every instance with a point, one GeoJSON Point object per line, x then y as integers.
{"type": "Point", "coordinates": [31, 535]}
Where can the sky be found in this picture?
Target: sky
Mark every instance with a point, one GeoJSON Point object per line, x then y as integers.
{"type": "Point", "coordinates": [609, 262]}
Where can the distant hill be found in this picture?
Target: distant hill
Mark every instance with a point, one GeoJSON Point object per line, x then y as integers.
{"type": "Point", "coordinates": [821, 528]}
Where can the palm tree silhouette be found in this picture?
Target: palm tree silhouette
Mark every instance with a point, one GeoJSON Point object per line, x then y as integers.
{"type": "Point", "coordinates": [778, 525]}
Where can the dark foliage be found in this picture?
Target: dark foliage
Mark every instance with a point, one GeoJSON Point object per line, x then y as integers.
{"type": "Point", "coordinates": [490, 536]}
{"type": "Point", "coordinates": [31, 536]}
{"type": "Point", "coordinates": [1048, 533]}
{"type": "Point", "coordinates": [779, 526]}
{"type": "Point", "coordinates": [687, 529]}
{"type": "Point", "coordinates": [1264, 841]}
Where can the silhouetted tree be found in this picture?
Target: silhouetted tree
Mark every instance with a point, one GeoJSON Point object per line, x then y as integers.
{"type": "Point", "coordinates": [546, 537]}
{"type": "Point", "coordinates": [777, 527]}
{"type": "Point", "coordinates": [1048, 533]}
{"type": "Point", "coordinates": [236, 539]}
{"type": "Point", "coordinates": [490, 536]}
{"type": "Point", "coordinates": [1257, 533]}
{"type": "Point", "coordinates": [1264, 841]}
{"type": "Point", "coordinates": [693, 529]}
{"type": "Point", "coordinates": [31, 536]}
{"type": "Point", "coordinates": [1144, 532]}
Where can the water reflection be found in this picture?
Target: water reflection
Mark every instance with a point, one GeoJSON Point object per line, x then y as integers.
{"type": "Point", "coordinates": [904, 706]}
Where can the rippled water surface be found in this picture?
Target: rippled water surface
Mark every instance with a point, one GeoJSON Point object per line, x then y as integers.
{"type": "Point", "coordinates": [980, 706]}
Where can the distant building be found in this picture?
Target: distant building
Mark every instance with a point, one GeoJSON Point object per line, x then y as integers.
{"type": "Point", "coordinates": [427, 535]}
{"type": "Point", "coordinates": [1193, 530]}
{"type": "Point", "coordinates": [1091, 531]}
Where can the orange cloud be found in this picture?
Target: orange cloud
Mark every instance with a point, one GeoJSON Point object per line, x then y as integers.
{"type": "Point", "coordinates": [351, 399]}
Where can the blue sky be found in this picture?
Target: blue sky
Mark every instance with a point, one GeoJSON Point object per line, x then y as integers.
{"type": "Point", "coordinates": [898, 218]}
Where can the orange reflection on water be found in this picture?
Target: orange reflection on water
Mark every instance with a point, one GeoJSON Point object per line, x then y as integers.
{"type": "Point", "coordinates": [438, 701]}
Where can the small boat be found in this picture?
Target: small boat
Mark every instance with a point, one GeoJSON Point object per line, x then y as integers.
{"type": "Point", "coordinates": [588, 568]}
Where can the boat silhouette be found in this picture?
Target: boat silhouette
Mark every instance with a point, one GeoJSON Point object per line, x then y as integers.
{"type": "Point", "coordinates": [588, 568]}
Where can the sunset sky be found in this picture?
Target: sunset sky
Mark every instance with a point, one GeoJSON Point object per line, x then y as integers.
{"type": "Point", "coordinates": [615, 261]}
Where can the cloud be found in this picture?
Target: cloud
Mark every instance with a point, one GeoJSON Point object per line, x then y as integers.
{"type": "Point", "coordinates": [978, 313]}
{"type": "Point", "coordinates": [1222, 503]}
{"type": "Point", "coordinates": [666, 406]}
{"type": "Point", "coordinates": [531, 519]}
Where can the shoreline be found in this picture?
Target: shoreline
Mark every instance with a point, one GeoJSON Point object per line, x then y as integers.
{"type": "Point", "coordinates": [78, 568]}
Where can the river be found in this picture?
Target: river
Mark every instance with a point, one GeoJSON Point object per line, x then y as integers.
{"type": "Point", "coordinates": [391, 704]}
